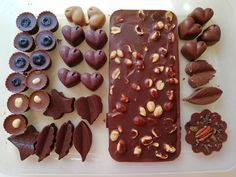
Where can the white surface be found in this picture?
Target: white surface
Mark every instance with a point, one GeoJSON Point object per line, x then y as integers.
{"type": "Point", "coordinates": [222, 56]}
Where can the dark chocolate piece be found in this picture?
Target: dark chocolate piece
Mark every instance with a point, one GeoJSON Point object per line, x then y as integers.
{"type": "Point", "coordinates": [96, 18]}
{"type": "Point", "coordinates": [68, 78]}
{"type": "Point", "coordinates": [92, 81]}
{"type": "Point", "coordinates": [204, 96]}
{"type": "Point", "coordinates": [95, 59]}
{"type": "Point", "coordinates": [82, 139]}
{"type": "Point", "coordinates": [16, 83]}
{"type": "Point", "coordinates": [45, 40]}
{"type": "Point", "coordinates": [96, 39]}
{"type": "Point", "coordinates": [45, 141]}
{"type": "Point", "coordinates": [71, 56]}
{"type": "Point", "coordinates": [144, 108]}
{"type": "Point", "coordinates": [47, 21]}
{"type": "Point", "coordinates": [27, 22]}
{"type": "Point", "coordinates": [59, 105]}
{"type": "Point", "coordinates": [37, 80]}
{"type": "Point", "coordinates": [25, 142]}
{"type": "Point", "coordinates": [206, 132]}
{"type": "Point", "coordinates": [39, 101]}
{"type": "Point", "coordinates": [15, 124]}
{"type": "Point", "coordinates": [19, 62]}
{"type": "Point", "coordinates": [202, 16]}
{"type": "Point", "coordinates": [64, 139]}
{"type": "Point", "coordinates": [89, 107]}
{"type": "Point", "coordinates": [75, 15]}
{"type": "Point", "coordinates": [40, 60]}
{"type": "Point", "coordinates": [24, 42]}
{"type": "Point", "coordinates": [18, 103]}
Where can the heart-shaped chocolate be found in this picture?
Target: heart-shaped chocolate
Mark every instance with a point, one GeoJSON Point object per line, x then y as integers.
{"type": "Point", "coordinates": [75, 14]}
{"type": "Point", "coordinates": [71, 56]}
{"type": "Point", "coordinates": [192, 50]}
{"type": "Point", "coordinates": [188, 29]}
{"type": "Point", "coordinates": [96, 18]}
{"type": "Point", "coordinates": [74, 35]}
{"type": "Point", "coordinates": [211, 35]}
{"type": "Point", "coordinates": [92, 81]}
{"type": "Point", "coordinates": [95, 59]}
{"type": "Point", "coordinates": [96, 39]}
{"type": "Point", "coordinates": [202, 16]}
{"type": "Point", "coordinates": [68, 78]}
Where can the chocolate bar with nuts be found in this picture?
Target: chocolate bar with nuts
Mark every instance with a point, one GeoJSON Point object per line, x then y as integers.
{"type": "Point", "coordinates": [144, 109]}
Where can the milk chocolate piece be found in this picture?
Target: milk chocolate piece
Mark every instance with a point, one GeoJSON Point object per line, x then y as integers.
{"type": "Point", "coordinates": [39, 101]}
{"type": "Point", "coordinates": [202, 16]}
{"type": "Point", "coordinates": [24, 42]}
{"type": "Point", "coordinates": [37, 80]}
{"type": "Point", "coordinates": [25, 142]}
{"type": "Point", "coordinates": [15, 124]}
{"type": "Point", "coordinates": [198, 67]}
{"type": "Point", "coordinates": [206, 132]}
{"type": "Point", "coordinates": [18, 103]}
{"type": "Point", "coordinates": [92, 81]}
{"type": "Point", "coordinates": [19, 62]}
{"type": "Point", "coordinates": [75, 14]}
{"type": "Point", "coordinates": [68, 78]}
{"type": "Point", "coordinates": [95, 59]}
{"type": "Point", "coordinates": [47, 21]}
{"type": "Point", "coordinates": [96, 39]}
{"type": "Point", "coordinates": [144, 109]}
{"type": "Point", "coordinates": [96, 18]}
{"type": "Point", "coordinates": [27, 22]}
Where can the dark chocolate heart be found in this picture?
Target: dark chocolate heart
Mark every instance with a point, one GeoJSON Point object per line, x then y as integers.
{"type": "Point", "coordinates": [192, 50]}
{"type": "Point", "coordinates": [211, 35]}
{"type": "Point", "coordinates": [73, 35]}
{"type": "Point", "coordinates": [95, 59]}
{"type": "Point", "coordinates": [68, 78]}
{"type": "Point", "coordinates": [96, 39]}
{"type": "Point", "coordinates": [188, 29]}
{"type": "Point", "coordinates": [71, 56]}
{"type": "Point", "coordinates": [92, 81]}
{"type": "Point", "coordinates": [202, 16]}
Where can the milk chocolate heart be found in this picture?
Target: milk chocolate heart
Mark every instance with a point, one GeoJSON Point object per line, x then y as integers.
{"type": "Point", "coordinates": [96, 39]}
{"type": "Point", "coordinates": [73, 35]}
{"type": "Point", "coordinates": [92, 81]}
{"type": "Point", "coordinates": [202, 16]}
{"type": "Point", "coordinates": [95, 59]}
{"type": "Point", "coordinates": [211, 35]}
{"type": "Point", "coordinates": [96, 18]}
{"type": "Point", "coordinates": [75, 14]}
{"type": "Point", "coordinates": [71, 56]}
{"type": "Point", "coordinates": [188, 29]}
{"type": "Point", "coordinates": [68, 78]}
{"type": "Point", "coordinates": [192, 50]}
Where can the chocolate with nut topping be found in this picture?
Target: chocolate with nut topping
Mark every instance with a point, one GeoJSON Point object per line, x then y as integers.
{"type": "Point", "coordinates": [143, 118]}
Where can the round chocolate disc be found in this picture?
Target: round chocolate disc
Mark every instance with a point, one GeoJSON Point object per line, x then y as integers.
{"type": "Point", "coordinates": [18, 103]}
{"type": "Point", "coordinates": [45, 40]}
{"type": "Point", "coordinates": [19, 62]}
{"type": "Point", "coordinates": [47, 21]}
{"type": "Point", "coordinates": [37, 80]}
{"type": "Point", "coordinates": [40, 60]}
{"type": "Point", "coordinates": [15, 124]}
{"type": "Point", "coordinates": [24, 42]}
{"type": "Point", "coordinates": [39, 101]}
{"type": "Point", "coordinates": [16, 83]}
{"type": "Point", "coordinates": [27, 22]}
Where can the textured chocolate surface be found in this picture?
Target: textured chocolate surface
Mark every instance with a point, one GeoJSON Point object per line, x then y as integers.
{"type": "Point", "coordinates": [39, 100]}
{"type": "Point", "coordinates": [37, 80]}
{"type": "Point", "coordinates": [143, 118]}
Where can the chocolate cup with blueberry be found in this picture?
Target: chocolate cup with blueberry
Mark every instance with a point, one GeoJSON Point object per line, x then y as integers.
{"type": "Point", "coordinates": [37, 80]}
{"type": "Point", "coordinates": [19, 62]}
{"type": "Point", "coordinates": [45, 40]}
{"type": "Point", "coordinates": [16, 83]}
{"type": "Point", "coordinates": [39, 101]}
{"type": "Point", "coordinates": [15, 124]}
{"type": "Point", "coordinates": [27, 22]}
{"type": "Point", "coordinates": [47, 21]}
{"type": "Point", "coordinates": [18, 103]}
{"type": "Point", "coordinates": [24, 42]}
{"type": "Point", "coordinates": [40, 60]}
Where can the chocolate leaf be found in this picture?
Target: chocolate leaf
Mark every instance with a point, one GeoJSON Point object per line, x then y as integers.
{"type": "Point", "coordinates": [200, 79]}
{"type": "Point", "coordinates": [198, 67]}
{"type": "Point", "coordinates": [82, 139]}
{"type": "Point", "coordinates": [203, 96]}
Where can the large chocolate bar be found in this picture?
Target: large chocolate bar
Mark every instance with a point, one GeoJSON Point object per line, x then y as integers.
{"type": "Point", "coordinates": [144, 109]}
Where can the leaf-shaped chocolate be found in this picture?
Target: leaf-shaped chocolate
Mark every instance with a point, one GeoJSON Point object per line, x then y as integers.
{"type": "Point", "coordinates": [82, 139]}
{"type": "Point", "coordinates": [64, 139]}
{"type": "Point", "coordinates": [200, 79]}
{"type": "Point", "coordinates": [205, 95]}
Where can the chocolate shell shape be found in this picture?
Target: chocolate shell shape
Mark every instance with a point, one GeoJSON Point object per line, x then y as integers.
{"type": "Point", "coordinates": [89, 107]}
{"type": "Point", "coordinates": [25, 142]}
{"type": "Point", "coordinates": [82, 139]}
{"type": "Point", "coordinates": [73, 35]}
{"type": "Point", "coordinates": [198, 67]}
{"type": "Point", "coordinates": [211, 35]}
{"type": "Point", "coordinates": [96, 18]}
{"type": "Point", "coordinates": [204, 96]}
{"type": "Point", "coordinates": [45, 141]}
{"type": "Point", "coordinates": [75, 15]}
{"type": "Point", "coordinates": [64, 139]}
{"type": "Point", "coordinates": [192, 50]}
{"type": "Point", "coordinates": [68, 78]}
{"type": "Point", "coordinates": [188, 29]}
{"type": "Point", "coordinates": [202, 16]}
{"type": "Point", "coordinates": [92, 81]}
{"type": "Point", "coordinates": [95, 59]}
{"type": "Point", "coordinates": [96, 39]}
{"type": "Point", "coordinates": [71, 56]}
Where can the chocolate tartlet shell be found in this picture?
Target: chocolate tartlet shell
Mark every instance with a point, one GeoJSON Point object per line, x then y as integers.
{"type": "Point", "coordinates": [8, 124]}
{"type": "Point", "coordinates": [27, 22]}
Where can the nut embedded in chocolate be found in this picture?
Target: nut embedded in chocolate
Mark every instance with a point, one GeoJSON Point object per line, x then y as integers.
{"type": "Point", "coordinates": [39, 100]}
{"type": "Point", "coordinates": [15, 124]}
{"type": "Point", "coordinates": [96, 39]}
{"type": "Point", "coordinates": [18, 103]}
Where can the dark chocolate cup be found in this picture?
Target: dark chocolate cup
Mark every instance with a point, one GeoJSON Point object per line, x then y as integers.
{"type": "Point", "coordinates": [19, 62]}
{"type": "Point", "coordinates": [24, 42]}
{"type": "Point", "coordinates": [27, 22]}
{"type": "Point", "coordinates": [47, 21]}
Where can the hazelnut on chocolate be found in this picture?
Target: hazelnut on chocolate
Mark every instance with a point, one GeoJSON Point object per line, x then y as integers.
{"type": "Point", "coordinates": [39, 100]}
{"type": "Point", "coordinates": [18, 103]}
{"type": "Point", "coordinates": [15, 124]}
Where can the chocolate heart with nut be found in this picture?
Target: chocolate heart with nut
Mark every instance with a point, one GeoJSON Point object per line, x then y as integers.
{"type": "Point", "coordinates": [95, 59]}
{"type": "Point", "coordinates": [96, 18]}
{"type": "Point", "coordinates": [92, 81]}
{"type": "Point", "coordinates": [96, 39]}
{"type": "Point", "coordinates": [73, 35]}
{"type": "Point", "coordinates": [68, 78]}
{"type": "Point", "coordinates": [192, 50]}
{"type": "Point", "coordinates": [211, 35]}
{"type": "Point", "coordinates": [188, 29]}
{"type": "Point", "coordinates": [202, 16]}
{"type": "Point", "coordinates": [71, 56]}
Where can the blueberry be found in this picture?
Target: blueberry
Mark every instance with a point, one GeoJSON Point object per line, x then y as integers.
{"type": "Point", "coordinates": [39, 59]}
{"type": "Point", "coordinates": [20, 62]}
{"type": "Point", "coordinates": [46, 41]}
{"type": "Point", "coordinates": [46, 21]}
{"type": "Point", "coordinates": [25, 22]}
{"type": "Point", "coordinates": [23, 42]}
{"type": "Point", "coordinates": [16, 82]}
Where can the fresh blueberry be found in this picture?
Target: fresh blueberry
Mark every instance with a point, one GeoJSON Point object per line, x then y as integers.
{"type": "Point", "coordinates": [20, 62]}
{"type": "Point", "coordinates": [25, 22]}
{"type": "Point", "coordinates": [16, 82]}
{"type": "Point", "coordinates": [46, 41]}
{"type": "Point", "coordinates": [39, 59]}
{"type": "Point", "coordinates": [23, 42]}
{"type": "Point", "coordinates": [46, 21]}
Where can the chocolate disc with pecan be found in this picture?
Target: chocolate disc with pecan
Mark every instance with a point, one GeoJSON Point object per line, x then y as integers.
{"type": "Point", "coordinates": [206, 132]}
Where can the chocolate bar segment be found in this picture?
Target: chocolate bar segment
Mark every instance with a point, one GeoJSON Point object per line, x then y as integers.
{"type": "Point", "coordinates": [144, 109]}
